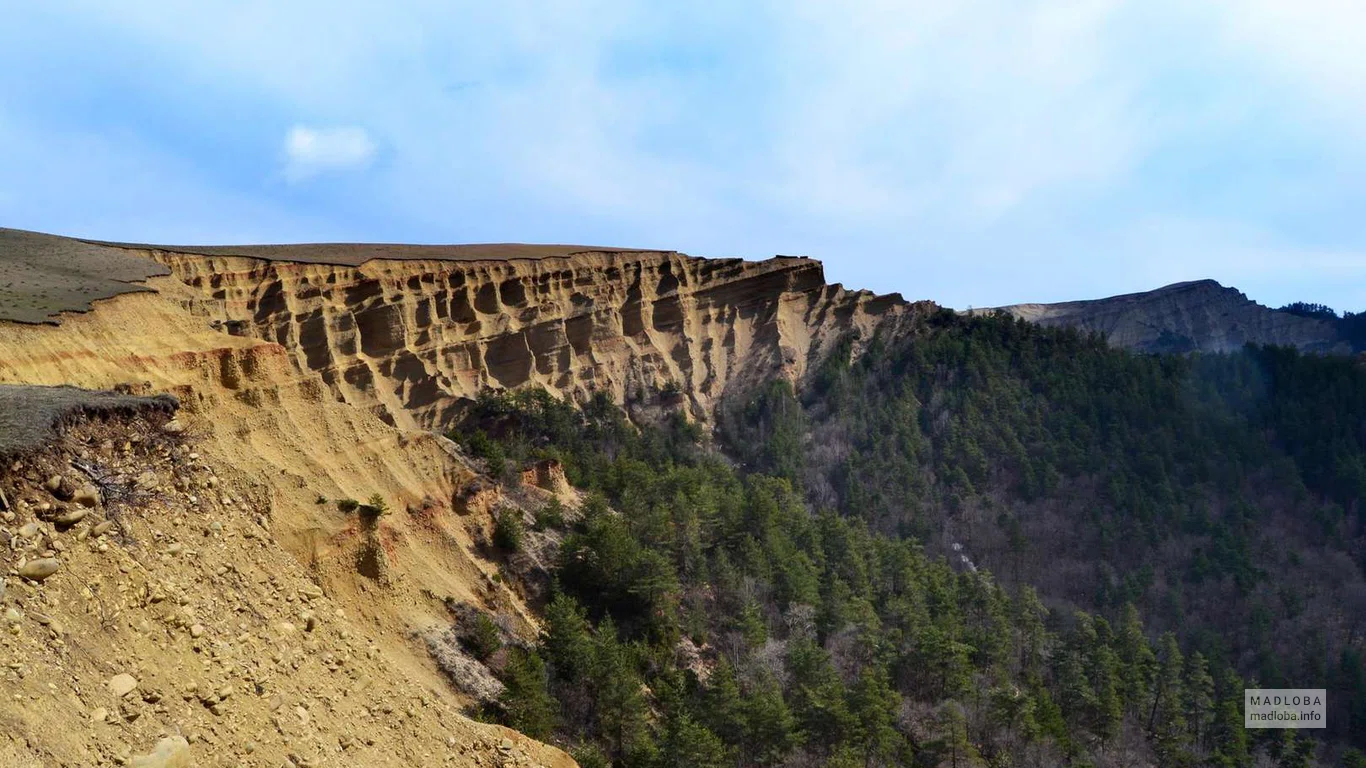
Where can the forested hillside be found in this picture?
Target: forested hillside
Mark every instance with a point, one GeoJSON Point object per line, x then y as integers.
{"type": "Point", "coordinates": [1351, 325]}
{"type": "Point", "coordinates": [991, 544]}
{"type": "Point", "coordinates": [1221, 494]}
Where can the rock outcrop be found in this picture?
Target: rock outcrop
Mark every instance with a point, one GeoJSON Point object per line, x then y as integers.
{"type": "Point", "coordinates": [1186, 317]}
{"type": "Point", "coordinates": [409, 340]}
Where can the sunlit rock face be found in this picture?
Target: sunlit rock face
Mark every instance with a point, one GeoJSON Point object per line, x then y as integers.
{"type": "Point", "coordinates": [412, 339]}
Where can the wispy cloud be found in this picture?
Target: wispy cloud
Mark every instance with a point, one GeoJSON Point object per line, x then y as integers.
{"type": "Point", "coordinates": [312, 151]}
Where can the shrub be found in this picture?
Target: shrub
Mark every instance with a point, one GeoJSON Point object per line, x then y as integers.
{"type": "Point", "coordinates": [348, 505]}
{"type": "Point", "coordinates": [481, 446]}
{"type": "Point", "coordinates": [374, 507]}
{"type": "Point", "coordinates": [507, 531]}
{"type": "Point", "coordinates": [482, 637]}
{"type": "Point", "coordinates": [549, 516]}
{"type": "Point", "coordinates": [589, 756]}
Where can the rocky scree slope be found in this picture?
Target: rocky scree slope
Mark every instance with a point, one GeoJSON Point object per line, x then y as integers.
{"type": "Point", "coordinates": [150, 618]}
{"type": "Point", "coordinates": [1185, 317]}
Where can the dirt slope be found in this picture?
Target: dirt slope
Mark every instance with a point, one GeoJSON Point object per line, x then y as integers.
{"type": "Point", "coordinates": [257, 418]}
{"type": "Point", "coordinates": [172, 613]}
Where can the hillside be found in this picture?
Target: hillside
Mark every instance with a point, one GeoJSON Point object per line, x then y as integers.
{"type": "Point", "coordinates": [320, 381]}
{"type": "Point", "coordinates": [1184, 317]}
{"type": "Point", "coordinates": [350, 505]}
{"type": "Point", "coordinates": [151, 612]}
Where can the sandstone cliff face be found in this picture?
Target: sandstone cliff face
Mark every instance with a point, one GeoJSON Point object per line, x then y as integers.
{"type": "Point", "coordinates": [1184, 317]}
{"type": "Point", "coordinates": [305, 380]}
{"type": "Point", "coordinates": [277, 439]}
{"type": "Point", "coordinates": [408, 340]}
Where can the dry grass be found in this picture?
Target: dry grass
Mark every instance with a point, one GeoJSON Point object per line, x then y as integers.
{"type": "Point", "coordinates": [30, 415]}
{"type": "Point", "coordinates": [43, 275]}
{"type": "Point", "coordinates": [354, 254]}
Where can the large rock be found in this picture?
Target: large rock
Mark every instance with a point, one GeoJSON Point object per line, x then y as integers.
{"type": "Point", "coordinates": [170, 752]}
{"type": "Point", "coordinates": [87, 496]}
{"type": "Point", "coordinates": [39, 569]}
{"type": "Point", "coordinates": [122, 684]}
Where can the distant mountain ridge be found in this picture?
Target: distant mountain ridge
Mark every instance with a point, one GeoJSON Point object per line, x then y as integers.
{"type": "Point", "coordinates": [1201, 315]}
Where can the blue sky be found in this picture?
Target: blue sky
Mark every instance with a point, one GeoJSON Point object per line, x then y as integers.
{"type": "Point", "coordinates": [977, 153]}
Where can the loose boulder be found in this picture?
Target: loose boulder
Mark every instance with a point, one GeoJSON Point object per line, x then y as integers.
{"type": "Point", "coordinates": [170, 752]}
{"type": "Point", "coordinates": [122, 684]}
{"type": "Point", "coordinates": [39, 569]}
{"type": "Point", "coordinates": [69, 518]}
{"type": "Point", "coordinates": [87, 496]}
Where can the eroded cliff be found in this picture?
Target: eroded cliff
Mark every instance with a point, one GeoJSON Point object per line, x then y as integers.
{"type": "Point", "coordinates": [306, 381]}
{"type": "Point", "coordinates": [410, 339]}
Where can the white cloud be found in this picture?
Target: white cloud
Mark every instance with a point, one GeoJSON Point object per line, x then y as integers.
{"type": "Point", "coordinates": [990, 151]}
{"type": "Point", "coordinates": [122, 187]}
{"type": "Point", "coordinates": [311, 151]}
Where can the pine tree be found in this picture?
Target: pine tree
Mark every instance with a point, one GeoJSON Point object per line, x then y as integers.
{"type": "Point", "coordinates": [1108, 712]}
{"type": "Point", "coordinates": [568, 642]}
{"type": "Point", "coordinates": [959, 751]}
{"type": "Point", "coordinates": [1353, 758]}
{"type": "Point", "coordinates": [946, 661]}
{"type": "Point", "coordinates": [688, 744]}
{"type": "Point", "coordinates": [621, 707]}
{"type": "Point", "coordinates": [873, 705]}
{"type": "Point", "coordinates": [526, 701]}
{"type": "Point", "coordinates": [1199, 703]}
{"type": "Point", "coordinates": [1076, 695]}
{"type": "Point", "coordinates": [1166, 721]}
{"type": "Point", "coordinates": [817, 694]}
{"type": "Point", "coordinates": [1014, 711]}
{"type": "Point", "coordinates": [753, 630]}
{"type": "Point", "coordinates": [1227, 734]}
{"type": "Point", "coordinates": [1293, 751]}
{"type": "Point", "coordinates": [1028, 615]}
{"type": "Point", "coordinates": [725, 704]}
{"type": "Point", "coordinates": [769, 726]}
{"type": "Point", "coordinates": [1138, 665]}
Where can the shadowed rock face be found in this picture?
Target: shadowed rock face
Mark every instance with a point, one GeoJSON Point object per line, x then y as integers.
{"type": "Point", "coordinates": [1186, 317]}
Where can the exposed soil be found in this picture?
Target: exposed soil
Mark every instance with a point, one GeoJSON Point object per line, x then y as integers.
{"type": "Point", "coordinates": [165, 616]}
{"type": "Point", "coordinates": [29, 415]}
